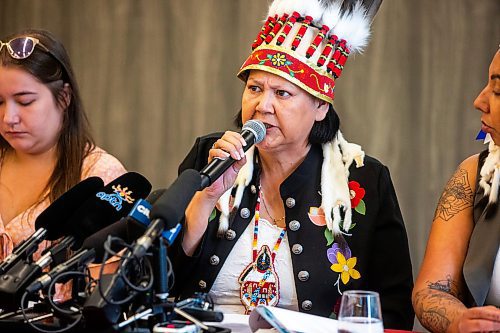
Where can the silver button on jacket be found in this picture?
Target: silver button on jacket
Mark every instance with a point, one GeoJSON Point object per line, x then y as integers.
{"type": "Point", "coordinates": [245, 213]}
{"type": "Point", "coordinates": [303, 276]}
{"type": "Point", "coordinates": [290, 202]}
{"type": "Point", "coordinates": [202, 284]}
{"type": "Point", "coordinates": [307, 305]}
{"type": "Point", "coordinates": [297, 249]}
{"type": "Point", "coordinates": [214, 260]}
{"type": "Point", "coordinates": [294, 225]}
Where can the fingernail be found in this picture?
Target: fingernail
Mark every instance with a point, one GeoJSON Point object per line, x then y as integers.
{"type": "Point", "coordinates": [242, 153]}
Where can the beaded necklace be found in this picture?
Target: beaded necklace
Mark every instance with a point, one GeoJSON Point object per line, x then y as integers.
{"type": "Point", "coordinates": [259, 280]}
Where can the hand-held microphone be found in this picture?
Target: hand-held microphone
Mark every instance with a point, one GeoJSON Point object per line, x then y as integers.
{"type": "Point", "coordinates": [253, 132]}
{"type": "Point", "coordinates": [80, 259]}
{"type": "Point", "coordinates": [51, 223]}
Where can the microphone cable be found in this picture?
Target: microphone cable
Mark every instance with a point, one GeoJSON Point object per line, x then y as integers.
{"type": "Point", "coordinates": [57, 309]}
{"type": "Point", "coordinates": [142, 267]}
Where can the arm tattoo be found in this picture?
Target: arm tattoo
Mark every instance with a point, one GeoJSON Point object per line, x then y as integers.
{"type": "Point", "coordinates": [456, 196]}
{"type": "Point", "coordinates": [448, 286]}
{"type": "Point", "coordinates": [438, 305]}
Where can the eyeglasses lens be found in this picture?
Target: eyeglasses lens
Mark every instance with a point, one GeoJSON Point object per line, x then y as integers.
{"type": "Point", "coordinates": [21, 48]}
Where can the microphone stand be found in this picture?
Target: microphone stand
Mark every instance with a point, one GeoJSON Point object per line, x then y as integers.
{"type": "Point", "coordinates": [161, 309]}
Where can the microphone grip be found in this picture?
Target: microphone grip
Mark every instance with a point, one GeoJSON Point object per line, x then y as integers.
{"type": "Point", "coordinates": [218, 165]}
{"type": "Point", "coordinates": [215, 168]}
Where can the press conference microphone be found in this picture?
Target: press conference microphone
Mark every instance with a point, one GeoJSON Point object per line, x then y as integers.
{"type": "Point", "coordinates": [107, 205]}
{"type": "Point", "coordinates": [168, 211]}
{"type": "Point", "coordinates": [52, 222]}
{"type": "Point", "coordinates": [128, 228]}
{"type": "Point", "coordinates": [80, 259]}
{"type": "Point", "coordinates": [253, 132]}
{"type": "Point", "coordinates": [15, 280]}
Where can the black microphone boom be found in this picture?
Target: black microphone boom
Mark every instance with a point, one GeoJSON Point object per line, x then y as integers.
{"type": "Point", "coordinates": [253, 132]}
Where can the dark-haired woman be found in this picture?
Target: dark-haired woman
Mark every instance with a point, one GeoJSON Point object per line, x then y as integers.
{"type": "Point", "coordinates": [45, 143]}
{"type": "Point", "coordinates": [458, 287]}
{"type": "Point", "coordinates": [303, 215]}
{"type": "Point", "coordinates": [277, 237]}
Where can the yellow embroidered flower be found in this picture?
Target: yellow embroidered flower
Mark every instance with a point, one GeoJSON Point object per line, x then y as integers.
{"type": "Point", "coordinates": [346, 268]}
{"type": "Point", "coordinates": [278, 59]}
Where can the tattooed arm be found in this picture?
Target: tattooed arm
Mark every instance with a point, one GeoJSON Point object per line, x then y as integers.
{"type": "Point", "coordinates": [437, 292]}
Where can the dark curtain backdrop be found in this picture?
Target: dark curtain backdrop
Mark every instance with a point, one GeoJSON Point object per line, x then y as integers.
{"type": "Point", "coordinates": [155, 74]}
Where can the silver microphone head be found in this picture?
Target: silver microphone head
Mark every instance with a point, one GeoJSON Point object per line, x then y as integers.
{"type": "Point", "coordinates": [258, 129]}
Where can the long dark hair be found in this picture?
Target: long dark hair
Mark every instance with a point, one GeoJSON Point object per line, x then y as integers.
{"type": "Point", "coordinates": [50, 63]}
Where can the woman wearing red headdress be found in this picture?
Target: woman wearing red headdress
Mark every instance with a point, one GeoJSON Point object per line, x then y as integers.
{"type": "Point", "coordinates": [303, 215]}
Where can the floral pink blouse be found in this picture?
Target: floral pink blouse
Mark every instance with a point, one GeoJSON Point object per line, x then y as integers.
{"type": "Point", "coordinates": [98, 163]}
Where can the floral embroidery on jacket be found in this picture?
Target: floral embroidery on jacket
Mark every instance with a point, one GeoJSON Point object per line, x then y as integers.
{"type": "Point", "coordinates": [339, 256]}
{"type": "Point", "coordinates": [357, 194]}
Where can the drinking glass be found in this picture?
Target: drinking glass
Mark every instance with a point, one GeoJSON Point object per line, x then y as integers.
{"type": "Point", "coordinates": [360, 312]}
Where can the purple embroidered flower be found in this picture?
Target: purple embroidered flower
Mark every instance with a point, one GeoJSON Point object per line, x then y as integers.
{"type": "Point", "coordinates": [331, 253]}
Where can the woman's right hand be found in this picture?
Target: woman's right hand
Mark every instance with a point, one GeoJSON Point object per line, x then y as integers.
{"type": "Point", "coordinates": [199, 209]}
{"type": "Point", "coordinates": [479, 319]}
{"type": "Point", "coordinates": [230, 145]}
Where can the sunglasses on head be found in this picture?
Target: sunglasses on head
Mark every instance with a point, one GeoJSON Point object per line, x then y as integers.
{"type": "Point", "coordinates": [21, 47]}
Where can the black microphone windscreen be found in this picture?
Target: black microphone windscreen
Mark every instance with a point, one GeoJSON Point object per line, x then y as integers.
{"type": "Point", "coordinates": [155, 195]}
{"type": "Point", "coordinates": [118, 229]}
{"type": "Point", "coordinates": [108, 205]}
{"type": "Point", "coordinates": [171, 205]}
{"type": "Point", "coordinates": [55, 217]}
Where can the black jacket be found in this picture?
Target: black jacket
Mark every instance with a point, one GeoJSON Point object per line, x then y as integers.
{"type": "Point", "coordinates": [378, 241]}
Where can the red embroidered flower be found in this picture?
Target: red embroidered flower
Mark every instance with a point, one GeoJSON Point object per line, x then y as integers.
{"type": "Point", "coordinates": [356, 192]}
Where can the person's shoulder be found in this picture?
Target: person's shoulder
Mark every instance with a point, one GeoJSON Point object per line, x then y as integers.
{"type": "Point", "coordinates": [370, 165]}
{"type": "Point", "coordinates": [211, 137]}
{"type": "Point", "coordinates": [100, 163]}
{"type": "Point", "coordinates": [470, 163]}
{"type": "Point", "coordinates": [198, 155]}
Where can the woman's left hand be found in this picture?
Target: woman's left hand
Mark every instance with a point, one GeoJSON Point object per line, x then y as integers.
{"type": "Point", "coordinates": [479, 319]}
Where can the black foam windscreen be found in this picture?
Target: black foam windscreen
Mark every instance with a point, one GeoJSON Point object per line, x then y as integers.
{"type": "Point", "coordinates": [108, 205]}
{"type": "Point", "coordinates": [126, 228]}
{"type": "Point", "coordinates": [121, 229]}
{"type": "Point", "coordinates": [171, 205]}
{"type": "Point", "coordinates": [55, 217]}
{"type": "Point", "coordinates": [155, 195]}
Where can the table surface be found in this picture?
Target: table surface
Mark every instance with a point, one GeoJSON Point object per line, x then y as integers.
{"type": "Point", "coordinates": [239, 324]}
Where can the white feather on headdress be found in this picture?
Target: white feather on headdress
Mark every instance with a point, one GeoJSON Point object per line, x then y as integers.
{"type": "Point", "coordinates": [332, 15]}
{"type": "Point", "coordinates": [354, 27]}
{"type": "Point", "coordinates": [277, 8]}
{"type": "Point", "coordinates": [303, 7]}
